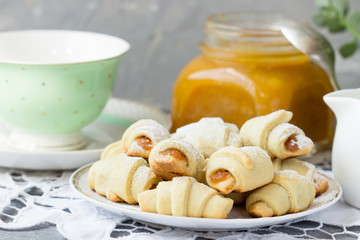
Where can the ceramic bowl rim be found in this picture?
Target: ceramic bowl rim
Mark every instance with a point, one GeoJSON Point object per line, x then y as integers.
{"type": "Point", "coordinates": [125, 47]}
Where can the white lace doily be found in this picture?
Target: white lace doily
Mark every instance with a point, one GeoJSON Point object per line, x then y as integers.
{"type": "Point", "coordinates": [35, 199]}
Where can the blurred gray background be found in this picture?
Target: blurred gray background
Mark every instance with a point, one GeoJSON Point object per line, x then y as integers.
{"type": "Point", "coordinates": [164, 34]}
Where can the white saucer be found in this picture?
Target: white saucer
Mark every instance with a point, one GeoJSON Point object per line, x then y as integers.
{"type": "Point", "coordinates": [238, 218]}
{"type": "Point", "coordinates": [107, 128]}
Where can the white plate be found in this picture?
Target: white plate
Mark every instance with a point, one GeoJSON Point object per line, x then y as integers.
{"type": "Point", "coordinates": [238, 218]}
{"type": "Point", "coordinates": [107, 128]}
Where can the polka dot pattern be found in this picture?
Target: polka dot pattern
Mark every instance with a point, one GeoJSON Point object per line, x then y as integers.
{"type": "Point", "coordinates": [55, 98]}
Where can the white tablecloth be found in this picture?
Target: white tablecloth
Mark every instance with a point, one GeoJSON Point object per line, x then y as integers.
{"type": "Point", "coordinates": [31, 199]}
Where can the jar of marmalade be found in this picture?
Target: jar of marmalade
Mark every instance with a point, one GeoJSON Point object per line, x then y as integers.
{"type": "Point", "coordinates": [248, 68]}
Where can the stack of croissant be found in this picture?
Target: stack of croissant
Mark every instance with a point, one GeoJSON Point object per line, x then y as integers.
{"type": "Point", "coordinates": [204, 168]}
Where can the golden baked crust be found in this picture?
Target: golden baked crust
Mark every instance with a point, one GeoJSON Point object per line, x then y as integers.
{"type": "Point", "coordinates": [321, 184]}
{"type": "Point", "coordinates": [289, 192]}
{"type": "Point", "coordinates": [210, 151]}
{"type": "Point", "coordinates": [275, 135]}
{"type": "Point", "coordinates": [209, 135]}
{"type": "Point", "coordinates": [305, 169]}
{"type": "Point", "coordinates": [175, 157]}
{"type": "Point", "coordinates": [121, 178]}
{"type": "Point", "coordinates": [233, 169]}
{"type": "Point", "coordinates": [142, 136]}
{"type": "Point", "coordinates": [113, 149]}
{"type": "Point", "coordinates": [184, 196]}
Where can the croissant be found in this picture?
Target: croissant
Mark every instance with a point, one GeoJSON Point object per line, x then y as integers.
{"type": "Point", "coordinates": [113, 149]}
{"type": "Point", "coordinates": [305, 169]}
{"type": "Point", "coordinates": [142, 136]}
{"type": "Point", "coordinates": [209, 135]}
{"type": "Point", "coordinates": [275, 135]}
{"type": "Point", "coordinates": [121, 178]}
{"type": "Point", "coordinates": [238, 198]}
{"type": "Point", "coordinates": [239, 169]}
{"type": "Point", "coordinates": [289, 192]}
{"type": "Point", "coordinates": [175, 157]}
{"type": "Point", "coordinates": [321, 183]}
{"type": "Point", "coordinates": [183, 196]}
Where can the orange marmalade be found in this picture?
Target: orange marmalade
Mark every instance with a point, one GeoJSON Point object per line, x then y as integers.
{"type": "Point", "coordinates": [248, 68]}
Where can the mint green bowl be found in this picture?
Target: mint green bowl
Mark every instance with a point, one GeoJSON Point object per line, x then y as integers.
{"type": "Point", "coordinates": [53, 83]}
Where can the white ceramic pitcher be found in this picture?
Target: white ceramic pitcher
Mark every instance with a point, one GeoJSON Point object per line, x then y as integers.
{"type": "Point", "coordinates": [346, 147]}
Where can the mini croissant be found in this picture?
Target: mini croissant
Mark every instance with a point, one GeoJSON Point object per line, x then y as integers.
{"type": "Point", "coordinates": [121, 178]}
{"type": "Point", "coordinates": [303, 168]}
{"type": "Point", "coordinates": [142, 136]}
{"type": "Point", "coordinates": [209, 135]}
{"type": "Point", "coordinates": [275, 135]}
{"type": "Point", "coordinates": [175, 157]}
{"type": "Point", "coordinates": [289, 192]}
{"type": "Point", "coordinates": [184, 196]}
{"type": "Point", "coordinates": [113, 149]}
{"type": "Point", "coordinates": [239, 169]}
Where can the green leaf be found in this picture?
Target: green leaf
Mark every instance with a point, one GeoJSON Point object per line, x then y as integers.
{"type": "Point", "coordinates": [341, 6]}
{"type": "Point", "coordinates": [348, 49]}
{"type": "Point", "coordinates": [334, 15]}
{"type": "Point", "coordinates": [353, 19]}
{"type": "Point", "coordinates": [328, 18]}
{"type": "Point", "coordinates": [320, 19]}
{"type": "Point", "coordinates": [335, 25]}
{"type": "Point", "coordinates": [322, 3]}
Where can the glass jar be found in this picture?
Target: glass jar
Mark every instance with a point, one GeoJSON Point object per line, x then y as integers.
{"type": "Point", "coordinates": [248, 68]}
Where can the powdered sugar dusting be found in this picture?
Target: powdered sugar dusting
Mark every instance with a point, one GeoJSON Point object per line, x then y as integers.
{"type": "Point", "coordinates": [136, 148]}
{"type": "Point", "coordinates": [145, 127]}
{"type": "Point", "coordinates": [331, 193]}
{"type": "Point", "coordinates": [157, 131]}
{"type": "Point", "coordinates": [298, 140]}
{"type": "Point", "coordinates": [184, 147]}
{"type": "Point", "coordinates": [234, 138]}
{"type": "Point", "coordinates": [256, 153]}
{"type": "Point", "coordinates": [182, 144]}
{"type": "Point", "coordinates": [311, 170]}
{"type": "Point", "coordinates": [183, 131]}
{"type": "Point", "coordinates": [302, 142]}
{"type": "Point", "coordinates": [284, 130]}
{"type": "Point", "coordinates": [209, 135]}
{"type": "Point", "coordinates": [290, 174]}
{"type": "Point", "coordinates": [143, 173]}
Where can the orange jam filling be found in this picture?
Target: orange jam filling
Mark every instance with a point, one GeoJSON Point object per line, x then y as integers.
{"type": "Point", "coordinates": [174, 154]}
{"type": "Point", "coordinates": [220, 176]}
{"type": "Point", "coordinates": [153, 186]}
{"type": "Point", "coordinates": [145, 143]}
{"type": "Point", "coordinates": [291, 144]}
{"type": "Point", "coordinates": [172, 161]}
